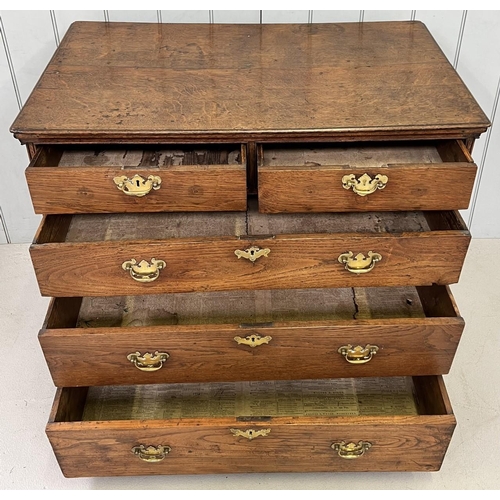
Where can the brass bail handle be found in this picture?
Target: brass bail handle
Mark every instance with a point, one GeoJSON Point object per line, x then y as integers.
{"type": "Point", "coordinates": [144, 272]}
{"type": "Point", "coordinates": [358, 355]}
{"type": "Point", "coordinates": [365, 185]}
{"type": "Point", "coordinates": [137, 186]}
{"type": "Point", "coordinates": [148, 362]}
{"type": "Point", "coordinates": [359, 264]}
{"type": "Point", "coordinates": [151, 454]}
{"type": "Point", "coordinates": [351, 450]}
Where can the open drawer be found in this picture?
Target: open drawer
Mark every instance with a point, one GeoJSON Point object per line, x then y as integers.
{"type": "Point", "coordinates": [375, 424]}
{"type": "Point", "coordinates": [418, 175]}
{"type": "Point", "coordinates": [91, 179]}
{"type": "Point", "coordinates": [251, 335]}
{"type": "Point", "coordinates": [136, 254]}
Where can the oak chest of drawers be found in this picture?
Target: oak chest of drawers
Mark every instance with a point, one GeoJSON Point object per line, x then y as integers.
{"type": "Point", "coordinates": [248, 233]}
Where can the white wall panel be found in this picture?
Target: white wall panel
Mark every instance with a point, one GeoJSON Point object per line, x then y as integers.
{"type": "Point", "coordinates": [64, 18]}
{"type": "Point", "coordinates": [237, 16]}
{"type": "Point", "coordinates": [445, 28]}
{"type": "Point", "coordinates": [184, 16]}
{"type": "Point", "coordinates": [285, 16]}
{"type": "Point", "coordinates": [387, 15]}
{"type": "Point", "coordinates": [336, 16]}
{"type": "Point", "coordinates": [137, 16]}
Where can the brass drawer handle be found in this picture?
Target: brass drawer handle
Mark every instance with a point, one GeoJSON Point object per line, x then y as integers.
{"type": "Point", "coordinates": [149, 362]}
{"type": "Point", "coordinates": [137, 186]}
{"type": "Point", "coordinates": [365, 184]}
{"type": "Point", "coordinates": [351, 450]}
{"type": "Point", "coordinates": [253, 340]}
{"type": "Point", "coordinates": [359, 264]}
{"type": "Point", "coordinates": [250, 433]}
{"type": "Point", "coordinates": [143, 271]}
{"type": "Point", "coordinates": [151, 454]}
{"type": "Point", "coordinates": [358, 355]}
{"type": "Point", "coordinates": [252, 253]}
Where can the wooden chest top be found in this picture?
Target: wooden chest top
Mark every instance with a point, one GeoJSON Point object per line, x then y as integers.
{"type": "Point", "coordinates": [132, 82]}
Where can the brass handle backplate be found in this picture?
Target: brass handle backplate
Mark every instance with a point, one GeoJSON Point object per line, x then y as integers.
{"type": "Point", "coordinates": [151, 454]}
{"type": "Point", "coordinates": [252, 253]}
{"type": "Point", "coordinates": [365, 184]}
{"type": "Point", "coordinates": [137, 186]}
{"type": "Point", "coordinates": [358, 355]}
{"type": "Point", "coordinates": [359, 264]}
{"type": "Point", "coordinates": [250, 433]}
{"type": "Point", "coordinates": [253, 340]}
{"type": "Point", "coordinates": [148, 362]}
{"type": "Point", "coordinates": [351, 450]}
{"type": "Point", "coordinates": [143, 271]}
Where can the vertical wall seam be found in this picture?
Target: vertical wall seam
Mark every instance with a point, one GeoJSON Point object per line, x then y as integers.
{"type": "Point", "coordinates": [158, 16]}
{"type": "Point", "coordinates": [211, 16]}
{"type": "Point", "coordinates": [482, 163]}
{"type": "Point", "coordinates": [310, 17]}
{"type": "Point", "coordinates": [54, 27]}
{"type": "Point", "coordinates": [106, 15]}
{"type": "Point", "coordinates": [361, 16]}
{"type": "Point", "coordinates": [260, 16]}
{"type": "Point", "coordinates": [460, 38]}
{"type": "Point", "coordinates": [4, 226]}
{"type": "Point", "coordinates": [413, 15]}
{"type": "Point", "coordinates": [10, 65]}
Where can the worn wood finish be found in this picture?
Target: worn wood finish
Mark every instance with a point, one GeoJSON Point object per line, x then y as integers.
{"type": "Point", "coordinates": [307, 328]}
{"type": "Point", "coordinates": [421, 177]}
{"type": "Point", "coordinates": [295, 444]}
{"type": "Point", "coordinates": [246, 83]}
{"type": "Point", "coordinates": [414, 257]}
{"type": "Point", "coordinates": [211, 179]}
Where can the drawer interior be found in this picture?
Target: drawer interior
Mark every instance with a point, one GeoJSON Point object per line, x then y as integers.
{"type": "Point", "coordinates": [390, 396]}
{"type": "Point", "coordinates": [363, 154]}
{"type": "Point", "coordinates": [154, 226]}
{"type": "Point", "coordinates": [140, 156]}
{"type": "Point", "coordinates": [252, 307]}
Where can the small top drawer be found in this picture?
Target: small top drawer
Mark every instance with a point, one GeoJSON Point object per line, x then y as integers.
{"type": "Point", "coordinates": [87, 179]}
{"type": "Point", "coordinates": [425, 175]}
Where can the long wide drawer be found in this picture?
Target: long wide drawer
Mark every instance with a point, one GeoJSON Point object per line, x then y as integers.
{"type": "Point", "coordinates": [418, 175]}
{"type": "Point", "coordinates": [138, 179]}
{"type": "Point", "coordinates": [253, 335]}
{"type": "Point", "coordinates": [389, 424]}
{"type": "Point", "coordinates": [134, 254]}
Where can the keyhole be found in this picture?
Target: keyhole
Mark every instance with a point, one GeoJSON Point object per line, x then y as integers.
{"type": "Point", "coordinates": [138, 183]}
{"type": "Point", "coordinates": [253, 339]}
{"type": "Point", "coordinates": [252, 252]}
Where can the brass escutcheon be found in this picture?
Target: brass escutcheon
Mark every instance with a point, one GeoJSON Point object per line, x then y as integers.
{"type": "Point", "coordinates": [359, 264]}
{"type": "Point", "coordinates": [358, 355]}
{"type": "Point", "coordinates": [137, 186]}
{"type": "Point", "coordinates": [144, 271]}
{"type": "Point", "coordinates": [365, 184]}
{"type": "Point", "coordinates": [253, 340]}
{"type": "Point", "coordinates": [148, 362]}
{"type": "Point", "coordinates": [151, 454]}
{"type": "Point", "coordinates": [252, 253]}
{"type": "Point", "coordinates": [250, 433]}
{"type": "Point", "coordinates": [351, 450]}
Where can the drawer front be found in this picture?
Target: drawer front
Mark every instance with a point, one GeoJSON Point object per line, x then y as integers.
{"type": "Point", "coordinates": [267, 444]}
{"type": "Point", "coordinates": [181, 186]}
{"type": "Point", "coordinates": [295, 261]}
{"type": "Point", "coordinates": [386, 345]}
{"type": "Point", "coordinates": [309, 180]}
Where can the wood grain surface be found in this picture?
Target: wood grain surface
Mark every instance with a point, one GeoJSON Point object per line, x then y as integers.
{"type": "Point", "coordinates": [206, 445]}
{"type": "Point", "coordinates": [81, 181]}
{"type": "Point", "coordinates": [129, 82]}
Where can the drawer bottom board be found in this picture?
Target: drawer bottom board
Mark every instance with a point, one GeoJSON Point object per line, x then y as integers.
{"type": "Point", "coordinates": [391, 424]}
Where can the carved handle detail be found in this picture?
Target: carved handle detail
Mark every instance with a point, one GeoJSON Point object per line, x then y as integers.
{"type": "Point", "coordinates": [151, 454]}
{"type": "Point", "coordinates": [148, 362]}
{"type": "Point", "coordinates": [253, 340]}
{"type": "Point", "coordinates": [365, 185]}
{"type": "Point", "coordinates": [359, 264]}
{"type": "Point", "coordinates": [137, 186]}
{"type": "Point", "coordinates": [143, 271]}
{"type": "Point", "coordinates": [250, 433]}
{"type": "Point", "coordinates": [351, 450]}
{"type": "Point", "coordinates": [252, 253]}
{"type": "Point", "coordinates": [358, 355]}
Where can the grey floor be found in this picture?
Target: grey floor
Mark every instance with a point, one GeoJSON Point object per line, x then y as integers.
{"type": "Point", "coordinates": [26, 393]}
